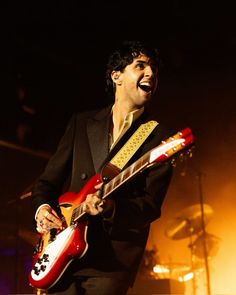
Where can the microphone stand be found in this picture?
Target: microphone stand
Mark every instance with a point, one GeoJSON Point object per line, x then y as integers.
{"type": "Point", "coordinates": [205, 251]}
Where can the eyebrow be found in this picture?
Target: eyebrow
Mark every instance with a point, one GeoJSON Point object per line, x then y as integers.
{"type": "Point", "coordinates": [150, 62]}
{"type": "Point", "coordinates": [141, 61]}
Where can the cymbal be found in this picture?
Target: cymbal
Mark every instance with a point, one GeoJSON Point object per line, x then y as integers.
{"type": "Point", "coordinates": [188, 222]}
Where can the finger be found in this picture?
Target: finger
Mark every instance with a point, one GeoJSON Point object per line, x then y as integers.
{"type": "Point", "coordinates": [55, 213]}
{"type": "Point", "coordinates": [40, 226]}
{"type": "Point", "coordinates": [98, 206]}
{"type": "Point", "coordinates": [99, 203]}
{"type": "Point", "coordinates": [54, 221]}
{"type": "Point", "coordinates": [43, 210]}
{"type": "Point", "coordinates": [91, 208]}
{"type": "Point", "coordinates": [52, 216]}
{"type": "Point", "coordinates": [98, 186]}
{"type": "Point", "coordinates": [45, 229]}
{"type": "Point", "coordinates": [46, 214]}
{"type": "Point", "coordinates": [40, 230]}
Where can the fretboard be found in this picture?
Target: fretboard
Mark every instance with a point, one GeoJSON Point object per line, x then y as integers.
{"type": "Point", "coordinates": [125, 175]}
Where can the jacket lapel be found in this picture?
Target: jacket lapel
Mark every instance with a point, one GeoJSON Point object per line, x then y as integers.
{"type": "Point", "coordinates": [98, 136]}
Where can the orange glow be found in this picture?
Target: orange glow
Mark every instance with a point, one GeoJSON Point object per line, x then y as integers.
{"type": "Point", "coordinates": [188, 276]}
{"type": "Point", "coordinates": [219, 192]}
{"type": "Point", "coordinates": [160, 269]}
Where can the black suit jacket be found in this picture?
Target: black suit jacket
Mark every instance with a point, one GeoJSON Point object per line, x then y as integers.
{"type": "Point", "coordinates": [115, 246]}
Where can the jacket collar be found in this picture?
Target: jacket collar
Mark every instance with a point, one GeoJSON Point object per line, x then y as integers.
{"type": "Point", "coordinates": [98, 130]}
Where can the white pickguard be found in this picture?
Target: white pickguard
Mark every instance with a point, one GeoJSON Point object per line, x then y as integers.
{"type": "Point", "coordinates": [51, 254]}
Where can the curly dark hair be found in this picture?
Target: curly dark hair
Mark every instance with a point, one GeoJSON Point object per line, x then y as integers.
{"type": "Point", "coordinates": [124, 56]}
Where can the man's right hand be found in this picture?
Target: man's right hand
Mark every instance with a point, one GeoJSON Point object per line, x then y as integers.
{"type": "Point", "coordinates": [47, 219]}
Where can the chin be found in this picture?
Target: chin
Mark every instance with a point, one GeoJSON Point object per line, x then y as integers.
{"type": "Point", "coordinates": [147, 98]}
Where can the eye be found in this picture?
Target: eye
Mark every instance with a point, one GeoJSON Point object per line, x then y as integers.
{"type": "Point", "coordinates": [140, 65]}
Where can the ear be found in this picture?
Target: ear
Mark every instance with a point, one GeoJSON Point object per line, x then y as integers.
{"type": "Point", "coordinates": [115, 75]}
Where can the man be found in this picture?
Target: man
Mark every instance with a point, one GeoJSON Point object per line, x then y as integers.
{"type": "Point", "coordinates": [118, 226]}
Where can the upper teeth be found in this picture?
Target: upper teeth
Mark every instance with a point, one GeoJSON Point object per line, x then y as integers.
{"type": "Point", "coordinates": [145, 84]}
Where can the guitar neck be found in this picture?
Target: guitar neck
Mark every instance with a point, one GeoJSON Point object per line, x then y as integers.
{"type": "Point", "coordinates": [174, 144]}
{"type": "Point", "coordinates": [126, 174]}
{"type": "Point", "coordinates": [157, 155]}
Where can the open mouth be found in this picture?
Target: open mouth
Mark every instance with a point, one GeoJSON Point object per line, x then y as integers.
{"type": "Point", "coordinates": [145, 87]}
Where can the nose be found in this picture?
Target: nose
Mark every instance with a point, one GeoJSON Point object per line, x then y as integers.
{"type": "Point", "coordinates": [148, 72]}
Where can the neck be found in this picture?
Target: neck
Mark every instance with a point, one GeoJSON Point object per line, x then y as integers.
{"type": "Point", "coordinates": [120, 111]}
{"type": "Point", "coordinates": [119, 114]}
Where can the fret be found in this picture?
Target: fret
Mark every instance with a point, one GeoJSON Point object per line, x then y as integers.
{"type": "Point", "coordinates": [77, 213]}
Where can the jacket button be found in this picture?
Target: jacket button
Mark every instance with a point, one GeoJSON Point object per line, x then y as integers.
{"type": "Point", "coordinates": [84, 176]}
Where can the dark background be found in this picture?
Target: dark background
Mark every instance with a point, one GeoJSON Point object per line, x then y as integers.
{"type": "Point", "coordinates": [59, 50]}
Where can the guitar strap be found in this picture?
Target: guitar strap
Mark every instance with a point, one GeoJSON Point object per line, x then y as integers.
{"type": "Point", "coordinates": [132, 145]}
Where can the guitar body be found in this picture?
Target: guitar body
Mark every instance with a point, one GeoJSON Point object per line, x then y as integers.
{"type": "Point", "coordinates": [55, 251]}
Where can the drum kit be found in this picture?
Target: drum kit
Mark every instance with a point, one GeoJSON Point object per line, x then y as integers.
{"type": "Point", "coordinates": [190, 223]}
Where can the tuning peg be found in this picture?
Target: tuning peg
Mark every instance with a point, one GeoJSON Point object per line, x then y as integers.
{"type": "Point", "coordinates": [181, 157]}
{"type": "Point", "coordinates": [190, 152]}
{"type": "Point", "coordinates": [173, 162]}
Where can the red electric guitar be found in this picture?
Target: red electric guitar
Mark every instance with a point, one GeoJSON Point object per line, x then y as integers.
{"type": "Point", "coordinates": [55, 251]}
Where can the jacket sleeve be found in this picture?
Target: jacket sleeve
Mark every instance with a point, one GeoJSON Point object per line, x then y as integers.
{"type": "Point", "coordinates": [49, 185]}
{"type": "Point", "coordinates": [139, 203]}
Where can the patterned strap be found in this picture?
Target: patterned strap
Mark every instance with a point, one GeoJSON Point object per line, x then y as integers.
{"type": "Point", "coordinates": [132, 145]}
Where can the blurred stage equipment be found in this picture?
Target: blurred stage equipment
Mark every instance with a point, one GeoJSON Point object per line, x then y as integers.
{"type": "Point", "coordinates": [25, 150]}
{"type": "Point", "coordinates": [188, 222]}
{"type": "Point", "coordinates": [212, 244]}
{"type": "Point", "coordinates": [170, 270]}
{"type": "Point", "coordinates": [156, 278]}
{"type": "Point", "coordinates": [192, 221]}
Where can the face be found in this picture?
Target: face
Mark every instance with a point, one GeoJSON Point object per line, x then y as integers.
{"type": "Point", "coordinates": [137, 83]}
